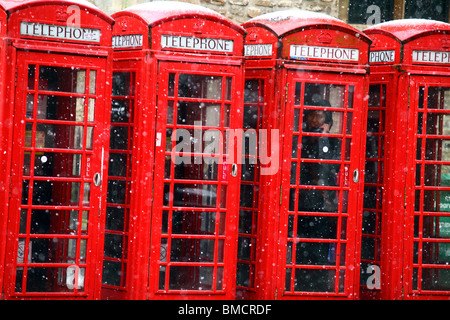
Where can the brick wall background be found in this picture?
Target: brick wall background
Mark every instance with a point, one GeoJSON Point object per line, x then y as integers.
{"type": "Point", "coordinates": [238, 10]}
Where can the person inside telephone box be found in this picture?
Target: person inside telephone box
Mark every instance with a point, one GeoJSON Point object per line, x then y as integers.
{"type": "Point", "coordinates": [317, 149]}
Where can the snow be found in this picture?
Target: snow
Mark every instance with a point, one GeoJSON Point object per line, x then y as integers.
{"type": "Point", "coordinates": [171, 6]}
{"type": "Point", "coordinates": [83, 3]}
{"type": "Point", "coordinates": [408, 22]}
{"type": "Point", "coordinates": [279, 16]}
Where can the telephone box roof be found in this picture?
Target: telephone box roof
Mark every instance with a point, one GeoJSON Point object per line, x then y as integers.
{"type": "Point", "coordinates": [284, 22]}
{"type": "Point", "coordinates": [405, 30]}
{"type": "Point", "coordinates": [157, 12]}
{"type": "Point", "coordinates": [14, 5]}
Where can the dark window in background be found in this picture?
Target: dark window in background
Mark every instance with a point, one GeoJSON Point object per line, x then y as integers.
{"type": "Point", "coordinates": [427, 9]}
{"type": "Point", "coordinates": [357, 11]}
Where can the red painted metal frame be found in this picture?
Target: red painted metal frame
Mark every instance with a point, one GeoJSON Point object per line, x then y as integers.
{"type": "Point", "coordinates": [403, 77]}
{"type": "Point", "coordinates": [281, 71]}
{"type": "Point", "coordinates": [372, 238]}
{"type": "Point", "coordinates": [4, 140]}
{"type": "Point", "coordinates": [152, 61]}
{"type": "Point", "coordinates": [23, 50]}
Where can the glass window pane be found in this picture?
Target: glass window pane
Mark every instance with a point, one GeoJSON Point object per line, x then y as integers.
{"type": "Point", "coordinates": [200, 86]}
{"type": "Point", "coordinates": [56, 193]}
{"type": "Point", "coordinates": [54, 221]}
{"type": "Point", "coordinates": [31, 76]}
{"type": "Point", "coordinates": [59, 136]}
{"type": "Point", "coordinates": [318, 200]}
{"type": "Point", "coordinates": [120, 111]}
{"type": "Point", "coordinates": [435, 279]}
{"type": "Point", "coordinates": [252, 88]}
{"type": "Point", "coordinates": [431, 9]}
{"type": "Point", "coordinates": [195, 113]}
{"type": "Point", "coordinates": [193, 222]}
{"type": "Point", "coordinates": [320, 121]}
{"type": "Point", "coordinates": [318, 227]}
{"type": "Point", "coordinates": [50, 164]}
{"type": "Point", "coordinates": [62, 79]}
{"type": "Point", "coordinates": [55, 279]}
{"type": "Point", "coordinates": [92, 81]}
{"type": "Point", "coordinates": [192, 250]}
{"type": "Point", "coordinates": [313, 280]}
{"type": "Point", "coordinates": [119, 138]}
{"type": "Point", "coordinates": [191, 278]}
{"type": "Point", "coordinates": [438, 98]}
{"type": "Point", "coordinates": [121, 85]}
{"type": "Point", "coordinates": [194, 195]}
{"type": "Point", "coordinates": [324, 95]}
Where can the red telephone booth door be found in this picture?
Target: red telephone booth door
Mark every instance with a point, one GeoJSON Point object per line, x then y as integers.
{"type": "Point", "coordinates": [319, 210]}
{"type": "Point", "coordinates": [427, 247]}
{"type": "Point", "coordinates": [54, 242]}
{"type": "Point", "coordinates": [196, 191]}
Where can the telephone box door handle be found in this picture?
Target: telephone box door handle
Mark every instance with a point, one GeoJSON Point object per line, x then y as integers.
{"type": "Point", "coordinates": [356, 176]}
{"type": "Point", "coordinates": [234, 170]}
{"type": "Point", "coordinates": [97, 179]}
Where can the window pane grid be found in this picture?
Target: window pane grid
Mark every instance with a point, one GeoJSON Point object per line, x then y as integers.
{"type": "Point", "coordinates": [431, 240]}
{"type": "Point", "coordinates": [195, 184]}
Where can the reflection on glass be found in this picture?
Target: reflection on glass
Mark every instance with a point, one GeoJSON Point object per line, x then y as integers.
{"type": "Point", "coordinates": [194, 195]}
{"type": "Point", "coordinates": [52, 107]}
{"type": "Point", "coordinates": [182, 278]}
{"type": "Point", "coordinates": [314, 280]}
{"type": "Point", "coordinates": [438, 98]}
{"type": "Point", "coordinates": [31, 76]}
{"type": "Point", "coordinates": [192, 250]}
{"type": "Point", "coordinates": [195, 113]}
{"type": "Point", "coordinates": [56, 193]}
{"type": "Point", "coordinates": [252, 91]}
{"type": "Point", "coordinates": [92, 81]}
{"type": "Point", "coordinates": [59, 136]}
{"type": "Point", "coordinates": [50, 164]}
{"type": "Point", "coordinates": [121, 84]}
{"type": "Point", "coordinates": [193, 222]}
{"type": "Point", "coordinates": [62, 79]}
{"type": "Point", "coordinates": [315, 93]}
{"type": "Point", "coordinates": [196, 169]}
{"type": "Point", "coordinates": [120, 111]}
{"type": "Point", "coordinates": [55, 222]}
{"type": "Point", "coordinates": [200, 86]}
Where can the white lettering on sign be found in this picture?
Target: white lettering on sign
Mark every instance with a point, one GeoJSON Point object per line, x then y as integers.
{"type": "Point", "coordinates": [194, 43]}
{"type": "Point", "coordinates": [128, 41]}
{"type": "Point", "coordinates": [59, 32]}
{"type": "Point", "coordinates": [258, 50]}
{"type": "Point", "coordinates": [431, 56]}
{"type": "Point", "coordinates": [326, 53]}
{"type": "Point", "coordinates": [382, 56]}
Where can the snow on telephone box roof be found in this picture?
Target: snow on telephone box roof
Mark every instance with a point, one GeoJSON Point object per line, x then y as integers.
{"type": "Point", "coordinates": [14, 5]}
{"type": "Point", "coordinates": [156, 12]}
{"type": "Point", "coordinates": [283, 22]}
{"type": "Point", "coordinates": [406, 30]}
{"type": "Point", "coordinates": [410, 41]}
{"type": "Point", "coordinates": [177, 26]}
{"type": "Point", "coordinates": [305, 36]}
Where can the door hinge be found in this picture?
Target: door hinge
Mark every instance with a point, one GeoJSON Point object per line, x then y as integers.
{"type": "Point", "coordinates": [276, 293]}
{"type": "Point", "coordinates": [286, 93]}
{"type": "Point", "coordinates": [281, 194]}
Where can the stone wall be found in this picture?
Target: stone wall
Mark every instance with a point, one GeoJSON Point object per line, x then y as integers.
{"type": "Point", "coordinates": [237, 10]}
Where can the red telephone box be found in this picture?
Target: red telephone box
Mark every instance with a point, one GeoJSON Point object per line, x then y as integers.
{"type": "Point", "coordinates": [408, 109]}
{"type": "Point", "coordinates": [180, 68]}
{"type": "Point", "coordinates": [4, 160]}
{"type": "Point", "coordinates": [60, 60]}
{"type": "Point", "coordinates": [306, 83]}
